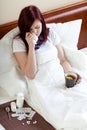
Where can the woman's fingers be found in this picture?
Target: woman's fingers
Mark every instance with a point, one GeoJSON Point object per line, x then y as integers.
{"type": "Point", "coordinates": [79, 78]}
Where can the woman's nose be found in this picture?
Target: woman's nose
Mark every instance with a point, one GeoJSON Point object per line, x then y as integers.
{"type": "Point", "coordinates": [33, 31]}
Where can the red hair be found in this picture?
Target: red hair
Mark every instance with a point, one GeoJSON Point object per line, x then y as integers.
{"type": "Point", "coordinates": [26, 18]}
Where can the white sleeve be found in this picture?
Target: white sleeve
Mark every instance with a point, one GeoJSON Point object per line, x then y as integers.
{"type": "Point", "coordinates": [54, 37]}
{"type": "Point", "coordinates": [18, 45]}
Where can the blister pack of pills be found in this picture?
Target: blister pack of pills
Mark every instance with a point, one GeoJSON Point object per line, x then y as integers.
{"type": "Point", "coordinates": [22, 112]}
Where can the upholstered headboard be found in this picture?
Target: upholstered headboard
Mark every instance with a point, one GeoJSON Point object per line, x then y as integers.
{"type": "Point", "coordinates": [64, 14]}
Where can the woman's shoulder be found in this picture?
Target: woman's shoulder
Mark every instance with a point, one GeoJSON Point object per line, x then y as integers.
{"type": "Point", "coordinates": [18, 44]}
{"type": "Point", "coordinates": [17, 39]}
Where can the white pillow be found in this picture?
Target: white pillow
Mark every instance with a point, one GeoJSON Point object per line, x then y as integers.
{"type": "Point", "coordinates": [7, 60]}
{"type": "Point", "coordinates": [84, 50]}
{"type": "Point", "coordinates": [13, 82]}
{"type": "Point", "coordinates": [68, 32]}
{"type": "Point", "coordinates": [76, 58]}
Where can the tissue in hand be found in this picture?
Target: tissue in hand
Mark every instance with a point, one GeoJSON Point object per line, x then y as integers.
{"type": "Point", "coordinates": [35, 39]}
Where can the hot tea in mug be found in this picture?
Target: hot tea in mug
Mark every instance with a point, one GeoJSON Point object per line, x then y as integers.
{"type": "Point", "coordinates": [70, 79]}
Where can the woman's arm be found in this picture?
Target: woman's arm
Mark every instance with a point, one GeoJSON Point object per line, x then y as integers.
{"type": "Point", "coordinates": [64, 62]}
{"type": "Point", "coordinates": [27, 61]}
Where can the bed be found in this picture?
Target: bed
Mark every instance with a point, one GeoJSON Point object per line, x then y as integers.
{"type": "Point", "coordinates": [65, 19]}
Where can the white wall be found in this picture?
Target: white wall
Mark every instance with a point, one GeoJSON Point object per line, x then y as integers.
{"type": "Point", "coordinates": [10, 9]}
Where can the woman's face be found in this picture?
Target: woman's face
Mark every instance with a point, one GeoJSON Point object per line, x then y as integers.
{"type": "Point", "coordinates": [36, 27]}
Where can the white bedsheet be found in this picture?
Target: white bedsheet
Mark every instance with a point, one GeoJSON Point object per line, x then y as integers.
{"type": "Point", "coordinates": [64, 108]}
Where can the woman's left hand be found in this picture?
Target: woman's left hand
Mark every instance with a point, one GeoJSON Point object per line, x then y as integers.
{"type": "Point", "coordinates": [79, 78]}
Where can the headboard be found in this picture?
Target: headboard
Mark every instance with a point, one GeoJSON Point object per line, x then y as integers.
{"type": "Point", "coordinates": [64, 14]}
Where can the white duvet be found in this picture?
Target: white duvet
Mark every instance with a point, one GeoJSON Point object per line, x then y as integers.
{"type": "Point", "coordinates": [64, 108]}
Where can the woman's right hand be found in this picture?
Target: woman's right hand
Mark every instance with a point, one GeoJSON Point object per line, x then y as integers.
{"type": "Point", "coordinates": [31, 39]}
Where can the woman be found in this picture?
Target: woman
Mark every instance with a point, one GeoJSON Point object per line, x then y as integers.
{"type": "Point", "coordinates": [31, 24]}
{"type": "Point", "coordinates": [42, 59]}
